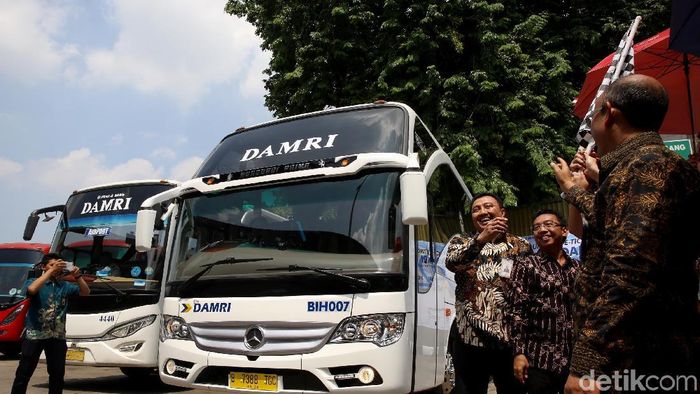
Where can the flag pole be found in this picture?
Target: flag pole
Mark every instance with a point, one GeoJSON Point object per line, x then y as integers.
{"type": "Point", "coordinates": [690, 100]}
{"type": "Point", "coordinates": [620, 64]}
{"type": "Point", "coordinates": [628, 45]}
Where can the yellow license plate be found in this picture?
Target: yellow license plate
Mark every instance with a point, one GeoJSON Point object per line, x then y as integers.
{"type": "Point", "coordinates": [75, 355]}
{"type": "Point", "coordinates": [252, 381]}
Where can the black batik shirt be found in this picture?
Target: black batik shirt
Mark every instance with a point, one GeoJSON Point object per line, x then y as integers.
{"type": "Point", "coordinates": [541, 323]}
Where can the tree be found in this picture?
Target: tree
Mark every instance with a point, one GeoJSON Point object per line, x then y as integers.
{"type": "Point", "coordinates": [493, 80]}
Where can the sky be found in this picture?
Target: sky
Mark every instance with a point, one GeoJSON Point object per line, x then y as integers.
{"type": "Point", "coordinates": [93, 92]}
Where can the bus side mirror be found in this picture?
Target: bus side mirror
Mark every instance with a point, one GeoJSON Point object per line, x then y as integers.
{"type": "Point", "coordinates": [414, 198]}
{"type": "Point", "coordinates": [29, 228]}
{"type": "Point", "coordinates": [145, 220]}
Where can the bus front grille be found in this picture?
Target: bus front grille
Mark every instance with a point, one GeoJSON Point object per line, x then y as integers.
{"type": "Point", "coordinates": [261, 338]}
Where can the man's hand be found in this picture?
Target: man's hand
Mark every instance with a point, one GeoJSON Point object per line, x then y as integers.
{"type": "Point", "coordinates": [563, 174]}
{"type": "Point", "coordinates": [84, 288]}
{"type": "Point", "coordinates": [493, 229]}
{"type": "Point", "coordinates": [576, 385]}
{"type": "Point", "coordinates": [580, 180]}
{"type": "Point", "coordinates": [592, 170]}
{"type": "Point", "coordinates": [578, 163]}
{"type": "Point", "coordinates": [56, 268]}
{"type": "Point", "coordinates": [53, 268]}
{"type": "Point", "coordinates": [520, 366]}
{"type": "Point", "coordinates": [587, 164]}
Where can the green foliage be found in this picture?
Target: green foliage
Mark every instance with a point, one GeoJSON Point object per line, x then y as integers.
{"type": "Point", "coordinates": [493, 80]}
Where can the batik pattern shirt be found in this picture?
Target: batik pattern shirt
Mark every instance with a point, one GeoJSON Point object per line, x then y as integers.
{"type": "Point", "coordinates": [541, 296]}
{"type": "Point", "coordinates": [635, 295]}
{"type": "Point", "coordinates": [46, 317]}
{"type": "Point", "coordinates": [482, 275]}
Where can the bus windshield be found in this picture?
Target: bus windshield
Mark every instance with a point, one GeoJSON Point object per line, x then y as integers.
{"type": "Point", "coordinates": [350, 226]}
{"type": "Point", "coordinates": [97, 234]}
{"type": "Point", "coordinates": [15, 265]}
{"type": "Point", "coordinates": [321, 136]}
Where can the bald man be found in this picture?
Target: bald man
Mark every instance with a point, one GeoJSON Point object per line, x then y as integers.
{"type": "Point", "coordinates": [635, 300]}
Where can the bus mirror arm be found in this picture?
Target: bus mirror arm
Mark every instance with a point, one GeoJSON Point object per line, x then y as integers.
{"type": "Point", "coordinates": [145, 221]}
{"type": "Point", "coordinates": [33, 219]}
{"type": "Point", "coordinates": [414, 197]}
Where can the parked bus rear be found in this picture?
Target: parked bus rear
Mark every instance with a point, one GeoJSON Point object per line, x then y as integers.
{"type": "Point", "coordinates": [16, 263]}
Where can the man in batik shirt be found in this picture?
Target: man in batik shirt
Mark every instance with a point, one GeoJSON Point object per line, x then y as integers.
{"type": "Point", "coordinates": [542, 302]}
{"type": "Point", "coordinates": [45, 324]}
{"type": "Point", "coordinates": [482, 264]}
{"type": "Point", "coordinates": [636, 293]}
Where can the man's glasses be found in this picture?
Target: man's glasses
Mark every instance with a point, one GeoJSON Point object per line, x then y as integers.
{"type": "Point", "coordinates": [548, 225]}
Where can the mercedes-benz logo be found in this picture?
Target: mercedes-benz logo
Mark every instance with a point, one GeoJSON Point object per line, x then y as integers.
{"type": "Point", "coordinates": [254, 338]}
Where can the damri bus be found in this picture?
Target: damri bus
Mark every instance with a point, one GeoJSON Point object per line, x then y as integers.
{"type": "Point", "coordinates": [116, 325]}
{"type": "Point", "coordinates": [307, 256]}
{"type": "Point", "coordinates": [16, 262]}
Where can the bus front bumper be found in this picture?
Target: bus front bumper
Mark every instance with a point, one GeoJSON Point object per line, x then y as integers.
{"type": "Point", "coordinates": [139, 350]}
{"type": "Point", "coordinates": [333, 368]}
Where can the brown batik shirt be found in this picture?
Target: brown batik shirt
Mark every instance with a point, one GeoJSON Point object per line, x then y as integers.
{"type": "Point", "coordinates": [541, 296]}
{"type": "Point", "coordinates": [636, 290]}
{"type": "Point", "coordinates": [482, 275]}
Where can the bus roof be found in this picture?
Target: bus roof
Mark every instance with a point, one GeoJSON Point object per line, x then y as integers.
{"type": "Point", "coordinates": [376, 104]}
{"type": "Point", "coordinates": [26, 245]}
{"type": "Point", "coordinates": [128, 183]}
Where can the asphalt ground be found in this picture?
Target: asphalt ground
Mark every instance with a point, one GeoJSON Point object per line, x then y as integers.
{"type": "Point", "coordinates": [99, 380]}
{"type": "Point", "coordinates": [81, 380]}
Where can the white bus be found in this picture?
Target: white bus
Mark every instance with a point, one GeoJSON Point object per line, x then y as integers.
{"type": "Point", "coordinates": [307, 256]}
{"type": "Point", "coordinates": [117, 324]}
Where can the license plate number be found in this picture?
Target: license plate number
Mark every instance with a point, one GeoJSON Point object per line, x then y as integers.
{"type": "Point", "coordinates": [75, 355]}
{"type": "Point", "coordinates": [252, 381]}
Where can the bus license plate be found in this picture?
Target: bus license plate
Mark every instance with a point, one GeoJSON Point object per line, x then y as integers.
{"type": "Point", "coordinates": [75, 355]}
{"type": "Point", "coordinates": [252, 381]}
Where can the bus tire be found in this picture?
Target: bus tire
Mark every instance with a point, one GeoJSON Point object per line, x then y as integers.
{"type": "Point", "coordinates": [136, 373]}
{"type": "Point", "coordinates": [11, 351]}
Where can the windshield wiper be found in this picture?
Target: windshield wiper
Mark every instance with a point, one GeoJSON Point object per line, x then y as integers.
{"type": "Point", "coordinates": [207, 267]}
{"type": "Point", "coordinates": [360, 283]}
{"type": "Point", "coordinates": [120, 294]}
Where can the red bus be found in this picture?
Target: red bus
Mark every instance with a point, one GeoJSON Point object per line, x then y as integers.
{"type": "Point", "coordinates": [16, 261]}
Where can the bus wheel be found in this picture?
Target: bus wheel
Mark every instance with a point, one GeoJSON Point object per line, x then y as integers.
{"type": "Point", "coordinates": [137, 373]}
{"type": "Point", "coordinates": [11, 351]}
{"type": "Point", "coordinates": [448, 384]}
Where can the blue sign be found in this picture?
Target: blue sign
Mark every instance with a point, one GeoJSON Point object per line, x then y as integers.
{"type": "Point", "coordinates": [426, 267]}
{"type": "Point", "coordinates": [135, 271]}
{"type": "Point", "coordinates": [97, 232]}
{"type": "Point", "coordinates": [572, 245]}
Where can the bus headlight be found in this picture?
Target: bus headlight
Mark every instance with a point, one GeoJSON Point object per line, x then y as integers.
{"type": "Point", "coordinates": [129, 328]}
{"type": "Point", "coordinates": [13, 315]}
{"type": "Point", "coordinates": [174, 328]}
{"type": "Point", "coordinates": [121, 331]}
{"type": "Point", "coordinates": [380, 329]}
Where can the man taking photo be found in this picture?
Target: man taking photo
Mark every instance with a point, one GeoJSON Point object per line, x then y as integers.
{"type": "Point", "coordinates": [45, 324]}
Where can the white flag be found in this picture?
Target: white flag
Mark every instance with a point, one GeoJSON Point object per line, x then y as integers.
{"type": "Point", "coordinates": [622, 62]}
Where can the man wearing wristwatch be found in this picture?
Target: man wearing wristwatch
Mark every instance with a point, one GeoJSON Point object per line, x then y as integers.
{"type": "Point", "coordinates": [45, 324]}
